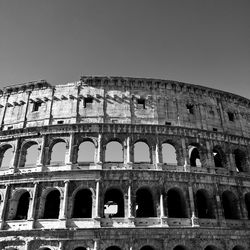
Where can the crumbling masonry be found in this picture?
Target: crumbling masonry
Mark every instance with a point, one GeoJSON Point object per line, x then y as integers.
{"type": "Point", "coordinates": [198, 199]}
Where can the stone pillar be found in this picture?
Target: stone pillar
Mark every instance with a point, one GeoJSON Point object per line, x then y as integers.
{"type": "Point", "coordinates": [185, 153]}
{"type": "Point", "coordinates": [40, 160]}
{"type": "Point", "coordinates": [69, 153]}
{"type": "Point", "coordinates": [63, 211]}
{"type": "Point", "coordinates": [95, 245]}
{"type": "Point", "coordinates": [16, 153]}
{"type": "Point", "coordinates": [99, 151]}
{"type": "Point", "coordinates": [129, 202]}
{"type": "Point", "coordinates": [219, 207]}
{"type": "Point", "coordinates": [164, 221]}
{"type": "Point", "coordinates": [194, 219]}
{"type": "Point", "coordinates": [97, 214]}
{"type": "Point", "coordinates": [32, 206]}
{"type": "Point", "coordinates": [210, 156]}
{"type": "Point", "coordinates": [127, 156]}
{"type": "Point", "coordinates": [61, 245]}
{"type": "Point", "coordinates": [27, 245]}
{"type": "Point", "coordinates": [4, 206]}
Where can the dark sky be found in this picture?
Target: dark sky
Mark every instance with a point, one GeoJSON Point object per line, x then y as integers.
{"type": "Point", "coordinates": [202, 42]}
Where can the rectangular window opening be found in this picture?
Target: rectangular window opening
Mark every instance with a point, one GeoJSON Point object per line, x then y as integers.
{"type": "Point", "coordinates": [141, 103]}
{"type": "Point", "coordinates": [190, 108]}
{"type": "Point", "coordinates": [230, 116]}
{"type": "Point", "coordinates": [88, 102]}
{"type": "Point", "coordinates": [215, 129]}
{"type": "Point", "coordinates": [36, 106]}
{"type": "Point", "coordinates": [60, 122]}
{"type": "Point", "coordinates": [168, 123]}
{"type": "Point", "coordinates": [9, 127]}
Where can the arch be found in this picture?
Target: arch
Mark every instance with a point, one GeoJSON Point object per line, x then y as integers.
{"type": "Point", "coordinates": [176, 204]}
{"type": "Point", "coordinates": [113, 203]}
{"type": "Point", "coordinates": [238, 247]}
{"type": "Point", "coordinates": [29, 154]}
{"type": "Point", "coordinates": [147, 248]}
{"type": "Point", "coordinates": [240, 160]}
{"type": "Point", "coordinates": [144, 203]}
{"type": "Point", "coordinates": [52, 205]}
{"type": "Point", "coordinates": [45, 248]}
{"type": "Point", "coordinates": [80, 248]}
{"type": "Point", "coordinates": [23, 206]}
{"type": "Point", "coordinates": [211, 247]}
{"type": "Point", "coordinates": [219, 157]}
{"type": "Point", "coordinates": [57, 152]}
{"type": "Point", "coordinates": [6, 155]}
{"type": "Point", "coordinates": [194, 156]}
{"type": "Point", "coordinates": [169, 154]}
{"type": "Point", "coordinates": [204, 204]}
{"type": "Point", "coordinates": [86, 152]}
{"type": "Point", "coordinates": [141, 152]}
{"type": "Point", "coordinates": [82, 206]}
{"type": "Point", "coordinates": [180, 247]}
{"type": "Point", "coordinates": [113, 248]}
{"type": "Point", "coordinates": [247, 203]}
{"type": "Point", "coordinates": [114, 152]}
{"type": "Point", "coordinates": [230, 205]}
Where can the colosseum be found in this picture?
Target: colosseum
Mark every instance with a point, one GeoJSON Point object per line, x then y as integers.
{"type": "Point", "coordinates": [115, 163]}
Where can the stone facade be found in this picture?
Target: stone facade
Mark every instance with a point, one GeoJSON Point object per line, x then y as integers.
{"type": "Point", "coordinates": [202, 201]}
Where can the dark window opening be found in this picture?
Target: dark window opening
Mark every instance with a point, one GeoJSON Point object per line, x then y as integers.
{"type": "Point", "coordinates": [240, 160]}
{"type": "Point", "coordinates": [215, 129]}
{"type": "Point", "coordinates": [194, 156]}
{"type": "Point", "coordinates": [211, 248]}
{"type": "Point", "coordinates": [113, 248]}
{"type": "Point", "coordinates": [238, 248]}
{"type": "Point", "coordinates": [83, 204]}
{"type": "Point", "coordinates": [52, 205]}
{"type": "Point", "coordinates": [60, 122]}
{"type": "Point", "coordinates": [36, 106]}
{"type": "Point", "coordinates": [204, 205]}
{"type": "Point", "coordinates": [231, 116]}
{"type": "Point", "coordinates": [80, 248]}
{"type": "Point", "coordinates": [141, 103]}
{"type": "Point", "coordinates": [230, 205]}
{"type": "Point", "coordinates": [180, 248]}
{"type": "Point", "coordinates": [217, 159]}
{"type": "Point", "coordinates": [176, 204]}
{"type": "Point", "coordinates": [147, 248]}
{"type": "Point", "coordinates": [144, 203]}
{"type": "Point", "coordinates": [247, 202]}
{"type": "Point", "coordinates": [23, 207]}
{"type": "Point", "coordinates": [168, 123]}
{"type": "Point", "coordinates": [9, 127]}
{"type": "Point", "coordinates": [88, 102]}
{"type": "Point", "coordinates": [113, 203]}
{"type": "Point", "coordinates": [190, 108]}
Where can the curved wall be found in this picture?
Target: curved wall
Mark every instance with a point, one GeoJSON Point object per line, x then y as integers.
{"type": "Point", "coordinates": [201, 201]}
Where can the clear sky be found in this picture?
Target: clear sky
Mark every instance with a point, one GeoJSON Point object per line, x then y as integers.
{"type": "Point", "coordinates": [202, 42]}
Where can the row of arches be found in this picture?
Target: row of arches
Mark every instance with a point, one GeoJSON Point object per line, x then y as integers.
{"type": "Point", "coordinates": [114, 152]}
{"type": "Point", "coordinates": [148, 247]}
{"type": "Point", "coordinates": [174, 204]}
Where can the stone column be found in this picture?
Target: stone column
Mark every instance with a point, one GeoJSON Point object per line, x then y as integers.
{"type": "Point", "coordinates": [16, 153]}
{"type": "Point", "coordinates": [32, 206]}
{"type": "Point", "coordinates": [127, 156]}
{"type": "Point", "coordinates": [194, 219]}
{"type": "Point", "coordinates": [97, 215]}
{"type": "Point", "coordinates": [99, 151]}
{"type": "Point", "coordinates": [4, 206]}
{"type": "Point", "coordinates": [69, 153]}
{"type": "Point", "coordinates": [40, 160]}
{"type": "Point", "coordinates": [164, 221]}
{"type": "Point", "coordinates": [219, 207]}
{"type": "Point", "coordinates": [63, 212]}
{"type": "Point", "coordinates": [185, 153]}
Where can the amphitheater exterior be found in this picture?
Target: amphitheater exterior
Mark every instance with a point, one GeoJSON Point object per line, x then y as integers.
{"type": "Point", "coordinates": [137, 198]}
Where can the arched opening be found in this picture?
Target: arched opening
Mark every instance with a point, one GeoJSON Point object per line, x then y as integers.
{"type": "Point", "coordinates": [144, 203]}
{"type": "Point", "coordinates": [169, 154]}
{"type": "Point", "coordinates": [29, 154]}
{"type": "Point", "coordinates": [52, 205]}
{"type": "Point", "coordinates": [218, 157]}
{"type": "Point", "coordinates": [141, 152]}
{"type": "Point", "coordinates": [82, 207]}
{"type": "Point", "coordinates": [230, 205]}
{"type": "Point", "coordinates": [238, 248]}
{"type": "Point", "coordinates": [210, 247]}
{"type": "Point", "coordinates": [113, 248]}
{"type": "Point", "coordinates": [114, 152]}
{"type": "Point", "coordinates": [80, 248]}
{"type": "Point", "coordinates": [46, 248]}
{"type": "Point", "coordinates": [23, 207]}
{"type": "Point", "coordinates": [240, 160]}
{"type": "Point", "coordinates": [176, 204]}
{"type": "Point", "coordinates": [58, 153]}
{"type": "Point", "coordinates": [194, 156]}
{"type": "Point", "coordinates": [147, 248]}
{"type": "Point", "coordinates": [6, 156]}
{"type": "Point", "coordinates": [204, 204]}
{"type": "Point", "coordinates": [86, 152]}
{"type": "Point", "coordinates": [180, 247]}
{"type": "Point", "coordinates": [113, 203]}
{"type": "Point", "coordinates": [247, 202]}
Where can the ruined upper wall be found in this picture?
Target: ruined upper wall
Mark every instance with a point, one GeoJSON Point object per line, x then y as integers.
{"type": "Point", "coordinates": [124, 100]}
